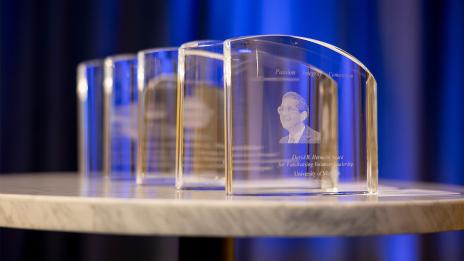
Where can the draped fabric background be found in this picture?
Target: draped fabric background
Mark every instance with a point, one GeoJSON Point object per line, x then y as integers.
{"type": "Point", "coordinates": [414, 48]}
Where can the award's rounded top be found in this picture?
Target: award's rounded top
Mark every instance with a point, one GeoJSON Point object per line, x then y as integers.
{"type": "Point", "coordinates": [312, 46]}
{"type": "Point", "coordinates": [201, 44]}
{"type": "Point", "coordinates": [83, 68]}
{"type": "Point", "coordinates": [158, 50]}
{"type": "Point", "coordinates": [120, 58]}
{"type": "Point", "coordinates": [210, 49]}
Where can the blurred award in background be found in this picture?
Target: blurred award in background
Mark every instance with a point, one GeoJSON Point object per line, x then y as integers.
{"type": "Point", "coordinates": [157, 83]}
{"type": "Point", "coordinates": [200, 126]}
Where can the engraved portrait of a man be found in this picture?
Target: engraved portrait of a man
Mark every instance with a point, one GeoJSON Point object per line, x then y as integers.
{"type": "Point", "coordinates": [294, 112]}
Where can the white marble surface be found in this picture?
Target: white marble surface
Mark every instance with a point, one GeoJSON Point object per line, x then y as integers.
{"type": "Point", "coordinates": [63, 202]}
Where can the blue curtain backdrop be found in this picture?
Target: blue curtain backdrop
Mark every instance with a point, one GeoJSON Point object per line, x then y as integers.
{"type": "Point", "coordinates": [414, 48]}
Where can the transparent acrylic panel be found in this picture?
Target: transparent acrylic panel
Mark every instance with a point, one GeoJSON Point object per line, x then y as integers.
{"type": "Point", "coordinates": [157, 83]}
{"type": "Point", "coordinates": [121, 96]}
{"type": "Point", "coordinates": [300, 118]}
{"type": "Point", "coordinates": [200, 108]}
{"type": "Point", "coordinates": [90, 109]}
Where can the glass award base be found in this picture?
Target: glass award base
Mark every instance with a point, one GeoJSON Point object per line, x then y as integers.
{"type": "Point", "coordinates": [122, 175]}
{"type": "Point", "coordinates": [203, 182]}
{"type": "Point", "coordinates": [159, 179]}
{"type": "Point", "coordinates": [283, 187]}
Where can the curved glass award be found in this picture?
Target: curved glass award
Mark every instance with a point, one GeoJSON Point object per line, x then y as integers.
{"type": "Point", "coordinates": [300, 118]}
{"type": "Point", "coordinates": [121, 96]}
{"type": "Point", "coordinates": [157, 84]}
{"type": "Point", "coordinates": [90, 102]}
{"type": "Point", "coordinates": [200, 119]}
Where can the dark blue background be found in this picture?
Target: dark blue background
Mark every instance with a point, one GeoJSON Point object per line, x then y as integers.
{"type": "Point", "coordinates": [414, 49]}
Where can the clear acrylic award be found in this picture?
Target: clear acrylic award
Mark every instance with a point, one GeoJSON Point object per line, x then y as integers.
{"type": "Point", "coordinates": [121, 97]}
{"type": "Point", "coordinates": [157, 84]}
{"type": "Point", "coordinates": [90, 109]}
{"type": "Point", "coordinates": [300, 118]}
{"type": "Point", "coordinates": [200, 119]}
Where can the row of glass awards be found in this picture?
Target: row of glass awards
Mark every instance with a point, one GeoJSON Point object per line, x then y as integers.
{"type": "Point", "coordinates": [266, 115]}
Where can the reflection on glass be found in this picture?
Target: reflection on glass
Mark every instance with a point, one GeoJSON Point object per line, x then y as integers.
{"type": "Point", "coordinates": [157, 82]}
{"type": "Point", "coordinates": [300, 118]}
{"type": "Point", "coordinates": [90, 102]}
{"type": "Point", "coordinates": [200, 126]}
{"type": "Point", "coordinates": [121, 116]}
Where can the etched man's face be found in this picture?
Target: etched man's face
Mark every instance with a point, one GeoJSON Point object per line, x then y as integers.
{"type": "Point", "coordinates": [290, 116]}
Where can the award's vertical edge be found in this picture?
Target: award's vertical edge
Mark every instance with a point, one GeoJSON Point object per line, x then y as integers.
{"type": "Point", "coordinates": [335, 131]}
{"type": "Point", "coordinates": [82, 93]}
{"type": "Point", "coordinates": [372, 141]}
{"type": "Point", "coordinates": [328, 97]}
{"type": "Point", "coordinates": [134, 98]}
{"type": "Point", "coordinates": [107, 85]}
{"type": "Point", "coordinates": [179, 115]}
{"type": "Point", "coordinates": [227, 117]}
{"type": "Point", "coordinates": [140, 115]}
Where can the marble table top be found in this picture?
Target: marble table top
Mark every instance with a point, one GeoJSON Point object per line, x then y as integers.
{"type": "Point", "coordinates": [65, 202]}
